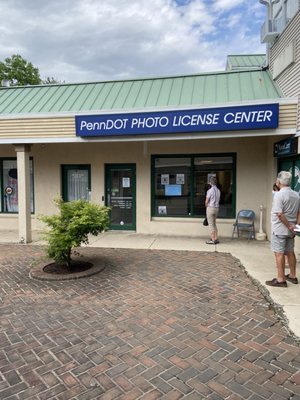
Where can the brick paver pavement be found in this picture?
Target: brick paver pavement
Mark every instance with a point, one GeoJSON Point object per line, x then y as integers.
{"type": "Point", "coordinates": [153, 325]}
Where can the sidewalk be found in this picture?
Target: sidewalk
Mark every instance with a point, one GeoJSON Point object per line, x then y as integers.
{"type": "Point", "coordinates": [255, 256]}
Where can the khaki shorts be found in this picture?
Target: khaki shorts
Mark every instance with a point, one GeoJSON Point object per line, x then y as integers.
{"type": "Point", "coordinates": [282, 244]}
{"type": "Point", "coordinates": [211, 214]}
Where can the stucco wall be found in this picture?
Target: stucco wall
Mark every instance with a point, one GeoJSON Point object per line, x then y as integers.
{"type": "Point", "coordinates": [255, 176]}
{"type": "Point", "coordinates": [251, 180]}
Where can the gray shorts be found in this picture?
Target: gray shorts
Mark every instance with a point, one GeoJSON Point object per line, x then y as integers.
{"type": "Point", "coordinates": [282, 244]}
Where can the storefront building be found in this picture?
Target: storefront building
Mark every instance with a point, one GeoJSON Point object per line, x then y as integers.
{"type": "Point", "coordinates": [145, 147]}
{"type": "Point", "coordinates": [281, 33]}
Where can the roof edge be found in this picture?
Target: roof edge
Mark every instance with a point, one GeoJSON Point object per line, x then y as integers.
{"type": "Point", "coordinates": [196, 136]}
{"type": "Point", "coordinates": [70, 114]}
{"type": "Point", "coordinates": [246, 55]}
{"type": "Point", "coordinates": [225, 72]}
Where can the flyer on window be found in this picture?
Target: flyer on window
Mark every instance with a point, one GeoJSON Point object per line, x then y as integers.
{"type": "Point", "coordinates": [165, 179]}
{"type": "Point", "coordinates": [162, 210]}
{"type": "Point", "coordinates": [180, 179]}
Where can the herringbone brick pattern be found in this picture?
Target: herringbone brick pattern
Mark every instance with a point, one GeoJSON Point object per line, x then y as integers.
{"type": "Point", "coordinates": [153, 325]}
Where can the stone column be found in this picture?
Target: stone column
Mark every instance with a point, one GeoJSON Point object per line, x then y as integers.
{"type": "Point", "coordinates": [23, 165]}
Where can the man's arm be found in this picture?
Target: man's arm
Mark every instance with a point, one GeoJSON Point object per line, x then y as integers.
{"type": "Point", "coordinates": [283, 219]}
{"type": "Point", "coordinates": [298, 218]}
{"type": "Point", "coordinates": [207, 197]}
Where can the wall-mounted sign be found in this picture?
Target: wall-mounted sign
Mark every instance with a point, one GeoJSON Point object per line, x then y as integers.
{"type": "Point", "coordinates": [259, 116]}
{"type": "Point", "coordinates": [287, 147]}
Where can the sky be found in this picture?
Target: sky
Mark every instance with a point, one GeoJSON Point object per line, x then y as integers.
{"type": "Point", "coordinates": [96, 40]}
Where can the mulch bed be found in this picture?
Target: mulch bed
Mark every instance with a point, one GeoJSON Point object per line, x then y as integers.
{"type": "Point", "coordinates": [45, 269]}
{"type": "Point", "coordinates": [76, 266]}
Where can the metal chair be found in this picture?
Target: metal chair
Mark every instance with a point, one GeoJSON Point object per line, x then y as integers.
{"type": "Point", "coordinates": [244, 222]}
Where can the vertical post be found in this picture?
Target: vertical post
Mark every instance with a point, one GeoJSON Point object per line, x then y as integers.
{"type": "Point", "coordinates": [261, 234]}
{"type": "Point", "coordinates": [145, 149]}
{"type": "Point", "coordinates": [23, 166]}
{"type": "Point", "coordinates": [284, 12]}
{"type": "Point", "coordinates": [261, 218]}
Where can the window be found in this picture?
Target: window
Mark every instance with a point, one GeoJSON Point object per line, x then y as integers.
{"type": "Point", "coordinates": [9, 185]}
{"type": "Point", "coordinates": [286, 9]}
{"type": "Point", "coordinates": [292, 7]}
{"type": "Point", "coordinates": [293, 166]}
{"type": "Point", "coordinates": [76, 182]}
{"type": "Point", "coordinates": [180, 184]}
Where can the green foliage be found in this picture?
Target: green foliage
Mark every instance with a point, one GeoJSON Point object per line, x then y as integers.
{"type": "Point", "coordinates": [19, 72]}
{"type": "Point", "coordinates": [51, 81]}
{"type": "Point", "coordinates": [68, 230]}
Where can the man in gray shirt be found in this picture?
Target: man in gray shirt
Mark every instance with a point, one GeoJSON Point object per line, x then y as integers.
{"type": "Point", "coordinates": [212, 201]}
{"type": "Point", "coordinates": [285, 215]}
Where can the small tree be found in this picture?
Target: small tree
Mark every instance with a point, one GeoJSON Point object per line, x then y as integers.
{"type": "Point", "coordinates": [68, 230]}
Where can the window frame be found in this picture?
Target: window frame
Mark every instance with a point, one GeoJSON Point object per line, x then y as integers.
{"type": "Point", "coordinates": [192, 181]}
{"type": "Point", "coordinates": [2, 186]}
{"type": "Point", "coordinates": [64, 182]}
{"type": "Point", "coordinates": [281, 8]}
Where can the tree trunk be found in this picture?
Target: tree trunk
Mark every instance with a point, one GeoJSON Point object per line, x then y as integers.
{"type": "Point", "coordinates": [69, 259]}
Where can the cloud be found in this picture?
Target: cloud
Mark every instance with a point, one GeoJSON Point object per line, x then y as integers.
{"type": "Point", "coordinates": [227, 4]}
{"type": "Point", "coordinates": [88, 40]}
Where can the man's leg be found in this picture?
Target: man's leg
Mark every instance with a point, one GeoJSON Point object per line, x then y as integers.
{"type": "Point", "coordinates": [292, 264]}
{"type": "Point", "coordinates": [278, 245]}
{"type": "Point", "coordinates": [214, 234]}
{"type": "Point", "coordinates": [211, 224]}
{"type": "Point", "coordinates": [280, 264]}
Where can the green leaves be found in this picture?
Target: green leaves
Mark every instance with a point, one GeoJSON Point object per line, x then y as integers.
{"type": "Point", "coordinates": [19, 72]}
{"type": "Point", "coordinates": [69, 229]}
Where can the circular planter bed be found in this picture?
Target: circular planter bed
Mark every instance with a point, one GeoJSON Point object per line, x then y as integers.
{"type": "Point", "coordinates": [48, 270]}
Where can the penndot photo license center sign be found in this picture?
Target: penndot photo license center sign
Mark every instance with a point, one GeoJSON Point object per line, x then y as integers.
{"type": "Point", "coordinates": [264, 116]}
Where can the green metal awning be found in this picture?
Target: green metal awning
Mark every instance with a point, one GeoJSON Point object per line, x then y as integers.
{"type": "Point", "coordinates": [245, 61]}
{"type": "Point", "coordinates": [179, 91]}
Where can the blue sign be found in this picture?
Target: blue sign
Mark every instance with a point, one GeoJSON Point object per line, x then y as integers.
{"type": "Point", "coordinates": [172, 190]}
{"type": "Point", "coordinates": [286, 147]}
{"type": "Point", "coordinates": [262, 116]}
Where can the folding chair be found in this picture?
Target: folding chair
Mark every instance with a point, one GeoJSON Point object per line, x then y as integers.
{"type": "Point", "coordinates": [244, 222]}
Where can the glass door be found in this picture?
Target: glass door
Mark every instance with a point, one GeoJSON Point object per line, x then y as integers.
{"type": "Point", "coordinates": [293, 166]}
{"type": "Point", "coordinates": [120, 195]}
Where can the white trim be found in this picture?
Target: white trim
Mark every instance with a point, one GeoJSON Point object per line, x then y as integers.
{"type": "Point", "coordinates": [148, 138]}
{"type": "Point", "coordinates": [291, 100]}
